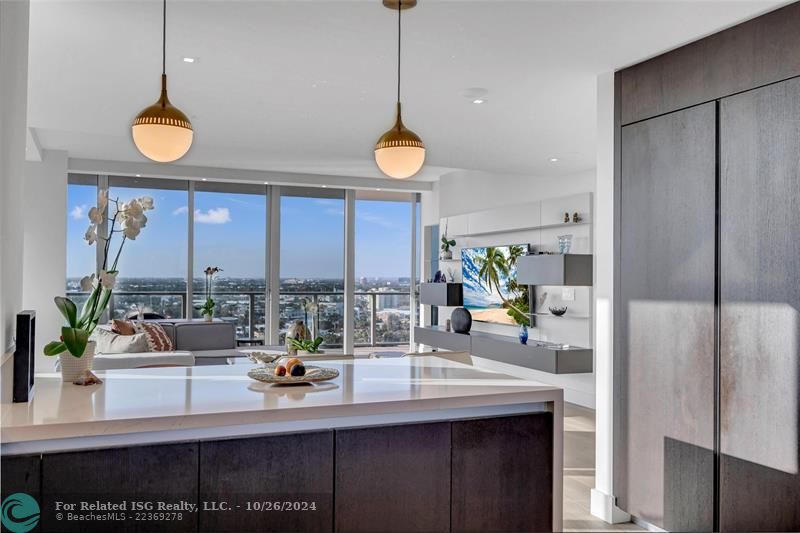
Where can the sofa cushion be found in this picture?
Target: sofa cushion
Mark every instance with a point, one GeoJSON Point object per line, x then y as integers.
{"type": "Point", "coordinates": [123, 327]}
{"type": "Point", "coordinates": [109, 342]}
{"type": "Point", "coordinates": [200, 335]}
{"type": "Point", "coordinates": [157, 337]}
{"type": "Point", "coordinates": [140, 360]}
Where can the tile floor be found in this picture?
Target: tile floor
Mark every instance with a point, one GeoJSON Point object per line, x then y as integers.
{"type": "Point", "coordinates": [579, 473]}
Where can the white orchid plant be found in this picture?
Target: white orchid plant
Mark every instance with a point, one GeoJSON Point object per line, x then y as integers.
{"type": "Point", "coordinates": [128, 220]}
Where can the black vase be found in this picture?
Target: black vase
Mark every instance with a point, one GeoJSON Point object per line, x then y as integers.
{"type": "Point", "coordinates": [461, 320]}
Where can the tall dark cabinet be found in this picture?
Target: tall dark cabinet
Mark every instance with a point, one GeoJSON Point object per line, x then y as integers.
{"type": "Point", "coordinates": [707, 307]}
{"type": "Point", "coordinates": [760, 309]}
{"type": "Point", "coordinates": [667, 301]}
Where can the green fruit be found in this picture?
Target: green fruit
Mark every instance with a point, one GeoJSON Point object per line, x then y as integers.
{"type": "Point", "coordinates": [298, 370]}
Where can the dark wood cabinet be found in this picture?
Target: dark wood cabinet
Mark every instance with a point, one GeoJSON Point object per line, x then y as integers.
{"type": "Point", "coordinates": [293, 472]}
{"type": "Point", "coordinates": [393, 478]}
{"type": "Point", "coordinates": [483, 474]}
{"type": "Point", "coordinates": [21, 473]}
{"type": "Point", "coordinates": [162, 473]}
{"type": "Point", "coordinates": [664, 357]}
{"type": "Point", "coordinates": [502, 474]}
{"type": "Point", "coordinates": [760, 310]}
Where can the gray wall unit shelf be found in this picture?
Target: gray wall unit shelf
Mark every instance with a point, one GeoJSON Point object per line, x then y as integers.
{"type": "Point", "coordinates": [447, 294]}
{"type": "Point", "coordinates": [555, 269]}
{"type": "Point", "coordinates": [448, 340]}
{"type": "Point", "coordinates": [535, 355]}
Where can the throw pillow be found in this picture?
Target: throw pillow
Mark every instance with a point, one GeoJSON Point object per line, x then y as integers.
{"type": "Point", "coordinates": [157, 338]}
{"type": "Point", "coordinates": [109, 342]}
{"type": "Point", "coordinates": [123, 327]}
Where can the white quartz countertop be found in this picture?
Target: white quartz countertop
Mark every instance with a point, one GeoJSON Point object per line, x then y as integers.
{"type": "Point", "coordinates": [171, 399]}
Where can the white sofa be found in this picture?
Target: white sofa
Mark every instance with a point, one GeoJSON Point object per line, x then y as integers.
{"type": "Point", "coordinates": [195, 341]}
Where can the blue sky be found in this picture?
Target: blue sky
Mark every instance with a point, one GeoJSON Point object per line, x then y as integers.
{"type": "Point", "coordinates": [229, 233]}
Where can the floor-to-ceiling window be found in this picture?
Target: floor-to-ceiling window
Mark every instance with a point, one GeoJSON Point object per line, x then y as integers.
{"type": "Point", "coordinates": [81, 257]}
{"type": "Point", "coordinates": [152, 269]}
{"type": "Point", "coordinates": [197, 224]}
{"type": "Point", "coordinates": [312, 261]}
{"type": "Point", "coordinates": [382, 268]}
{"type": "Point", "coordinates": [230, 233]}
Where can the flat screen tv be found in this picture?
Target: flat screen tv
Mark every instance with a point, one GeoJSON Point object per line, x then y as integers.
{"type": "Point", "coordinates": [491, 292]}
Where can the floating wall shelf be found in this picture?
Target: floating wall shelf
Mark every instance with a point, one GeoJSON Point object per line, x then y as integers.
{"type": "Point", "coordinates": [445, 294]}
{"type": "Point", "coordinates": [555, 269]}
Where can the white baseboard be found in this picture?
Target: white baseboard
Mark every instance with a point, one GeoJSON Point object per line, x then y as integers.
{"type": "Point", "coordinates": [604, 507]}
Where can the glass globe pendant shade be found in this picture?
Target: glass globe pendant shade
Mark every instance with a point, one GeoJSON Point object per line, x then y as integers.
{"type": "Point", "coordinates": [161, 131]}
{"type": "Point", "coordinates": [399, 152]}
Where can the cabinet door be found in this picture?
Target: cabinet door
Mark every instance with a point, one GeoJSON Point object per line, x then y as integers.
{"type": "Point", "coordinates": [253, 473]}
{"type": "Point", "coordinates": [664, 316]}
{"type": "Point", "coordinates": [393, 478]}
{"type": "Point", "coordinates": [152, 474]}
{"type": "Point", "coordinates": [760, 312]}
{"type": "Point", "coordinates": [503, 474]}
{"type": "Point", "coordinates": [21, 473]}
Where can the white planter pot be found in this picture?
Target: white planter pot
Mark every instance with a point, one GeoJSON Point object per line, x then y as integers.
{"type": "Point", "coordinates": [446, 255]}
{"type": "Point", "coordinates": [303, 352]}
{"type": "Point", "coordinates": [208, 318]}
{"type": "Point", "coordinates": [72, 367]}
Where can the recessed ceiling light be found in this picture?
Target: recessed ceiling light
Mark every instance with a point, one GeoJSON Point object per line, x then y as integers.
{"type": "Point", "coordinates": [138, 175]}
{"type": "Point", "coordinates": [377, 189]}
{"type": "Point", "coordinates": [478, 101]}
{"type": "Point", "coordinates": [189, 59]}
{"type": "Point", "coordinates": [324, 186]}
{"type": "Point", "coordinates": [204, 179]}
{"type": "Point", "coordinates": [266, 183]}
{"type": "Point", "coordinates": [554, 160]}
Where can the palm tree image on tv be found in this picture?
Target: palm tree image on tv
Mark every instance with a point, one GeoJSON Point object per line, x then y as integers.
{"type": "Point", "coordinates": [491, 291]}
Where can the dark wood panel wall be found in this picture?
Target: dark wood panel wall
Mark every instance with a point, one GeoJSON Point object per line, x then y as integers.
{"type": "Point", "coordinates": [675, 360]}
{"type": "Point", "coordinates": [483, 474]}
{"type": "Point", "coordinates": [666, 306]}
{"type": "Point", "coordinates": [755, 53]}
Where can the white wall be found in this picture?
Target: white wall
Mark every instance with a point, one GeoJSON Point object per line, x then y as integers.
{"type": "Point", "coordinates": [45, 255]}
{"type": "Point", "coordinates": [468, 191]}
{"type": "Point", "coordinates": [603, 502]}
{"type": "Point", "coordinates": [463, 192]}
{"type": "Point", "coordinates": [14, 18]}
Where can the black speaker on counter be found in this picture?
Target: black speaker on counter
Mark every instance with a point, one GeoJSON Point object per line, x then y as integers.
{"type": "Point", "coordinates": [24, 356]}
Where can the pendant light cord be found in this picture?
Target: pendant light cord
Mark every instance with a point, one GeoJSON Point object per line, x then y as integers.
{"type": "Point", "coordinates": [164, 41]}
{"type": "Point", "coordinates": [399, 42]}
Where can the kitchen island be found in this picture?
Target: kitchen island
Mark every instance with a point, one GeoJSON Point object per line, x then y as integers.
{"type": "Point", "coordinates": [412, 444]}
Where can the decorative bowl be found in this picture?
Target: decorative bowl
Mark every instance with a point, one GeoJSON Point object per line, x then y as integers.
{"type": "Point", "coordinates": [558, 311]}
{"type": "Point", "coordinates": [314, 374]}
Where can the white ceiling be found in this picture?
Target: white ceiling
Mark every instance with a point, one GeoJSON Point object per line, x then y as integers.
{"type": "Point", "coordinates": [308, 86]}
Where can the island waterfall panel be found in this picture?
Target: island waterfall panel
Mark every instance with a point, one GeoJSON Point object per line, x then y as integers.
{"type": "Point", "coordinates": [664, 366]}
{"type": "Point", "coordinates": [760, 311]}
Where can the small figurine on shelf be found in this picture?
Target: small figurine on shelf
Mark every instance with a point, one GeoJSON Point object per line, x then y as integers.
{"type": "Point", "coordinates": [437, 278]}
{"type": "Point", "coordinates": [576, 218]}
{"type": "Point", "coordinates": [566, 218]}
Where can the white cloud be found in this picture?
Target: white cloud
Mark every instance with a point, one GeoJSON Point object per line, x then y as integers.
{"type": "Point", "coordinates": [217, 215]}
{"type": "Point", "coordinates": [78, 212]}
{"type": "Point", "coordinates": [181, 210]}
{"type": "Point", "coordinates": [377, 220]}
{"type": "Point", "coordinates": [334, 212]}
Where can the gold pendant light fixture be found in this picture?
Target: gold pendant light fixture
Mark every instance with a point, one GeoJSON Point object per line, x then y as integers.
{"type": "Point", "coordinates": [399, 152]}
{"type": "Point", "coordinates": [161, 131]}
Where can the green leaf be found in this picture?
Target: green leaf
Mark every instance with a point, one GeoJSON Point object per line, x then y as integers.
{"type": "Point", "coordinates": [86, 312]}
{"type": "Point", "coordinates": [68, 309]}
{"type": "Point", "coordinates": [75, 340]}
{"type": "Point", "coordinates": [54, 348]}
{"type": "Point", "coordinates": [105, 296]}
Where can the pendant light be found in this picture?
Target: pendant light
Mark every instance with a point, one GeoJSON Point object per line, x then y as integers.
{"type": "Point", "coordinates": [162, 132]}
{"type": "Point", "coordinates": [399, 152]}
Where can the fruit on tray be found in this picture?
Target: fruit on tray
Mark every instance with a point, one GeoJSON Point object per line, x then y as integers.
{"type": "Point", "coordinates": [280, 370]}
{"type": "Point", "coordinates": [290, 363]}
{"type": "Point", "coordinates": [298, 370]}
